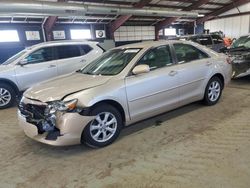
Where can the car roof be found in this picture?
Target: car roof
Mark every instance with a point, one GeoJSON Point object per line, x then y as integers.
{"type": "Point", "coordinates": [198, 35]}
{"type": "Point", "coordinates": [150, 44]}
{"type": "Point", "coordinates": [63, 42]}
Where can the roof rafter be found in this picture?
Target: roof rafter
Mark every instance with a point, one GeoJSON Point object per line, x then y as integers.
{"type": "Point", "coordinates": [168, 21]}
{"type": "Point", "coordinates": [122, 19]}
{"type": "Point", "coordinates": [212, 15]}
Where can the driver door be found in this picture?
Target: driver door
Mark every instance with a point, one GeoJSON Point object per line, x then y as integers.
{"type": "Point", "coordinates": [155, 92]}
{"type": "Point", "coordinates": [40, 66]}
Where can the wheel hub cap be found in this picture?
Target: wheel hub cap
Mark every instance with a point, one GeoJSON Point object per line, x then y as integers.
{"type": "Point", "coordinates": [214, 91]}
{"type": "Point", "coordinates": [103, 127]}
{"type": "Point", "coordinates": [5, 97]}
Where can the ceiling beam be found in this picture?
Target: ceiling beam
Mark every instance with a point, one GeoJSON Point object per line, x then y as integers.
{"type": "Point", "coordinates": [129, 3]}
{"type": "Point", "coordinates": [154, 5]}
{"type": "Point", "coordinates": [194, 1]}
{"type": "Point", "coordinates": [122, 19]}
{"type": "Point", "coordinates": [212, 15]}
{"type": "Point", "coordinates": [168, 21]}
{"type": "Point", "coordinates": [176, 7]}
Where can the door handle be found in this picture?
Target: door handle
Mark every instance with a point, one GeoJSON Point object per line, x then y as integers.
{"type": "Point", "coordinates": [172, 73]}
{"type": "Point", "coordinates": [51, 66]}
{"type": "Point", "coordinates": [209, 63]}
{"type": "Point", "coordinates": [83, 61]}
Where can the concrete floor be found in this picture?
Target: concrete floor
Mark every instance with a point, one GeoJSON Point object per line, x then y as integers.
{"type": "Point", "coordinates": [194, 146]}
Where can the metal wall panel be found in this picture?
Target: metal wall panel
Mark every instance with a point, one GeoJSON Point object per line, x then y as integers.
{"type": "Point", "coordinates": [233, 27]}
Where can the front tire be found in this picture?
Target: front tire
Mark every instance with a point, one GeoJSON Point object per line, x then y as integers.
{"type": "Point", "coordinates": [7, 96]}
{"type": "Point", "coordinates": [213, 91]}
{"type": "Point", "coordinates": [105, 128]}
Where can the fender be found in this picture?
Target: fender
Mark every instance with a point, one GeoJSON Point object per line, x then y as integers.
{"type": "Point", "coordinates": [11, 83]}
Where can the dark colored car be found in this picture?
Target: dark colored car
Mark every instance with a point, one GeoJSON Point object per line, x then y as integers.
{"type": "Point", "coordinates": [213, 41]}
{"type": "Point", "coordinates": [240, 55]}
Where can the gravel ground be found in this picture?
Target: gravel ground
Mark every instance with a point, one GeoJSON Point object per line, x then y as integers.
{"type": "Point", "coordinates": [194, 146]}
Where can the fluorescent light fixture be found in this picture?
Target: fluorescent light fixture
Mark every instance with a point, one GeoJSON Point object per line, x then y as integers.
{"type": "Point", "coordinates": [80, 34]}
{"type": "Point", "coordinates": [9, 36]}
{"type": "Point", "coordinates": [170, 32]}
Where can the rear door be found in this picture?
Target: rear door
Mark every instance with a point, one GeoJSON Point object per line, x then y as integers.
{"type": "Point", "coordinates": [194, 66]}
{"type": "Point", "coordinates": [41, 66]}
{"type": "Point", "coordinates": [70, 58]}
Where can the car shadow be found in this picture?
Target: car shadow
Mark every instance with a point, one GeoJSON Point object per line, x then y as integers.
{"type": "Point", "coordinates": [159, 119]}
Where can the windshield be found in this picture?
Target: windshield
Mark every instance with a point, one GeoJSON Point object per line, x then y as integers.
{"type": "Point", "coordinates": [111, 62]}
{"type": "Point", "coordinates": [15, 57]}
{"type": "Point", "coordinates": [242, 42]}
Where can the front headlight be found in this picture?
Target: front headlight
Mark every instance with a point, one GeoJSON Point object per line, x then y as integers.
{"type": "Point", "coordinates": [62, 106]}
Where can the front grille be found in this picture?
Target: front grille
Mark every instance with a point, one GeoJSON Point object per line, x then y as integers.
{"type": "Point", "coordinates": [34, 114]}
{"type": "Point", "coordinates": [33, 111]}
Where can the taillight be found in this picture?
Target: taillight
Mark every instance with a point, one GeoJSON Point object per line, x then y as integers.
{"type": "Point", "coordinates": [228, 60]}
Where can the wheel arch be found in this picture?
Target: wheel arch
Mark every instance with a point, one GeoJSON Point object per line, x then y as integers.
{"type": "Point", "coordinates": [113, 103]}
{"type": "Point", "coordinates": [11, 83]}
{"type": "Point", "coordinates": [221, 77]}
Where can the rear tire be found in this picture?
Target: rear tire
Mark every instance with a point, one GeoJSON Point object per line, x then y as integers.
{"type": "Point", "coordinates": [104, 129]}
{"type": "Point", "coordinates": [213, 91]}
{"type": "Point", "coordinates": [7, 96]}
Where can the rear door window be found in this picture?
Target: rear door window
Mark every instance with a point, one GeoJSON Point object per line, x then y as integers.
{"type": "Point", "coordinates": [68, 51]}
{"type": "Point", "coordinates": [85, 49]}
{"type": "Point", "coordinates": [186, 53]}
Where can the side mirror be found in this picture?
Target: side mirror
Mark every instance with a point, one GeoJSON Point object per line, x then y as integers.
{"type": "Point", "coordinates": [23, 62]}
{"type": "Point", "coordinates": [140, 69]}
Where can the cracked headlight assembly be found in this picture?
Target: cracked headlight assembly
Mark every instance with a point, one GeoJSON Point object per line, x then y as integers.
{"type": "Point", "coordinates": [62, 106]}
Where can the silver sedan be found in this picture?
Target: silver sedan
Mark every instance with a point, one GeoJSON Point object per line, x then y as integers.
{"type": "Point", "coordinates": [125, 85]}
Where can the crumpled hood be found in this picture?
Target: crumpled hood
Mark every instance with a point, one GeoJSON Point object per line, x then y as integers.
{"type": "Point", "coordinates": [59, 87]}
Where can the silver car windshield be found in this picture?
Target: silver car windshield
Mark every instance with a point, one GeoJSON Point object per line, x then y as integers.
{"type": "Point", "coordinates": [111, 62]}
{"type": "Point", "coordinates": [15, 57]}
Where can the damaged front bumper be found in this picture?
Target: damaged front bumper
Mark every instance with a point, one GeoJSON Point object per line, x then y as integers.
{"type": "Point", "coordinates": [241, 68]}
{"type": "Point", "coordinates": [240, 62]}
{"type": "Point", "coordinates": [59, 130]}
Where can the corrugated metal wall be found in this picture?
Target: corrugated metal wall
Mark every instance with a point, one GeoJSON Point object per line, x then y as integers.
{"type": "Point", "coordinates": [232, 26]}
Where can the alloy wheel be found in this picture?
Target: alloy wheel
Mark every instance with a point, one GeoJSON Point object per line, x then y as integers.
{"type": "Point", "coordinates": [214, 91]}
{"type": "Point", "coordinates": [103, 127]}
{"type": "Point", "coordinates": [5, 97]}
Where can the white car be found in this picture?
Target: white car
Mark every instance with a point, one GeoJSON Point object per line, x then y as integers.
{"type": "Point", "coordinates": [43, 62]}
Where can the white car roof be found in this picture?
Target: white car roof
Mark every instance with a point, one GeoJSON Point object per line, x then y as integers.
{"type": "Point", "coordinates": [150, 44]}
{"type": "Point", "coordinates": [63, 42]}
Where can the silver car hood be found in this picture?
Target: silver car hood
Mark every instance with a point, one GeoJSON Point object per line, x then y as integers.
{"type": "Point", "coordinates": [59, 87]}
